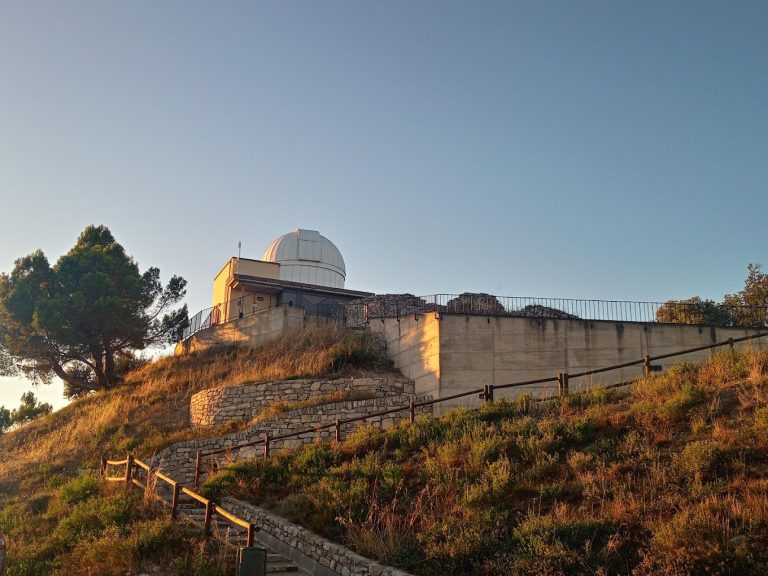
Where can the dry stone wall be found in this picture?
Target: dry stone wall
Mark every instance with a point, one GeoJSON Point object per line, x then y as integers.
{"type": "Point", "coordinates": [219, 405]}
{"type": "Point", "coordinates": [311, 552]}
{"type": "Point", "coordinates": [178, 461]}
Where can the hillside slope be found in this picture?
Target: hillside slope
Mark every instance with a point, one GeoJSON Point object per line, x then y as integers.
{"type": "Point", "coordinates": [669, 477]}
{"type": "Point", "coordinates": [57, 516]}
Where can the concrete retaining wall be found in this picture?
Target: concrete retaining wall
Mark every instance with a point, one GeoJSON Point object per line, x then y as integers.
{"type": "Point", "coordinates": [219, 405]}
{"type": "Point", "coordinates": [453, 353]}
{"type": "Point", "coordinates": [252, 330]}
{"type": "Point", "coordinates": [413, 344]}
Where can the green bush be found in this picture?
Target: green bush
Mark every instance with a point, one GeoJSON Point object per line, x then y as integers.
{"type": "Point", "coordinates": [698, 460]}
{"type": "Point", "coordinates": [79, 489]}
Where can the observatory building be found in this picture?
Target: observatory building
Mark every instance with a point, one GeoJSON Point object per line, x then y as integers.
{"type": "Point", "coordinates": [301, 269]}
{"type": "Point", "coordinates": [450, 346]}
{"type": "Point", "coordinates": [307, 257]}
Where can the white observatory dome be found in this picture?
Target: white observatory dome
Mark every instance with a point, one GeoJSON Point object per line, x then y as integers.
{"type": "Point", "coordinates": [307, 257]}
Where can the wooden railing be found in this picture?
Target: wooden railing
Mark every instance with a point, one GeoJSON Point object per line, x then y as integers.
{"type": "Point", "coordinates": [486, 393]}
{"type": "Point", "coordinates": [212, 510]}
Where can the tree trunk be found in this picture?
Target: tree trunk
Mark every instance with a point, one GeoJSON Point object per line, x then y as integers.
{"type": "Point", "coordinates": [74, 382]}
{"type": "Point", "coordinates": [98, 368]}
{"type": "Point", "coordinates": [109, 367]}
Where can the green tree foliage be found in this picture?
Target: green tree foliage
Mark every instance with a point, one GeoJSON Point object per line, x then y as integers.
{"type": "Point", "coordinates": [85, 316]}
{"type": "Point", "coordinates": [746, 308]}
{"type": "Point", "coordinates": [29, 409]}
{"type": "Point", "coordinates": [750, 306]}
{"type": "Point", "coordinates": [693, 311]}
{"type": "Point", "coordinates": [6, 421]}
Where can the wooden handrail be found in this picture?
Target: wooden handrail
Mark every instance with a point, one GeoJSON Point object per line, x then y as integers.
{"type": "Point", "coordinates": [526, 383]}
{"type": "Point", "coordinates": [231, 517]}
{"type": "Point", "coordinates": [211, 507]}
{"type": "Point", "coordinates": [166, 479]}
{"type": "Point", "coordinates": [195, 496]}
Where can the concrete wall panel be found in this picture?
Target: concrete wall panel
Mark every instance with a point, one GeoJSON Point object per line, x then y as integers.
{"type": "Point", "coordinates": [413, 344]}
{"type": "Point", "coordinates": [477, 350]}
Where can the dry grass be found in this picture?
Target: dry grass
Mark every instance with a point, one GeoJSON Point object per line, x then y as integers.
{"type": "Point", "coordinates": [303, 352]}
{"type": "Point", "coordinates": [151, 410]}
{"type": "Point", "coordinates": [45, 460]}
{"type": "Point", "coordinates": [669, 478]}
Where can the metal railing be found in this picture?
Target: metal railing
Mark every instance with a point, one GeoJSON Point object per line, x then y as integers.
{"type": "Point", "coordinates": [673, 312]}
{"type": "Point", "coordinates": [134, 468]}
{"type": "Point", "coordinates": [486, 393]}
{"type": "Point", "coordinates": [226, 311]}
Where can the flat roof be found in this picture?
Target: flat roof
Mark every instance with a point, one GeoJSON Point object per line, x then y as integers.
{"type": "Point", "coordinates": [287, 284]}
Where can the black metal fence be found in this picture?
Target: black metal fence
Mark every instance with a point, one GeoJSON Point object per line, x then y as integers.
{"type": "Point", "coordinates": [672, 312]}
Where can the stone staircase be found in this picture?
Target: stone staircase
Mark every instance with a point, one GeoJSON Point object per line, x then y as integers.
{"type": "Point", "coordinates": [229, 534]}
{"type": "Point", "coordinates": [291, 549]}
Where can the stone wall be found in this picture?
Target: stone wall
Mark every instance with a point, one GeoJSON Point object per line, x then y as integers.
{"type": "Point", "coordinates": [219, 405]}
{"type": "Point", "coordinates": [178, 461]}
{"type": "Point", "coordinates": [313, 553]}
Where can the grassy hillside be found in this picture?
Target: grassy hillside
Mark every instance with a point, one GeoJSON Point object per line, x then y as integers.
{"type": "Point", "coordinates": [668, 478]}
{"type": "Point", "coordinates": [57, 516]}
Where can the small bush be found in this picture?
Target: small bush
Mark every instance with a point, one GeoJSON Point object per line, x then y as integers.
{"type": "Point", "coordinates": [79, 489]}
{"type": "Point", "coordinates": [667, 397]}
{"type": "Point", "coordinates": [761, 421]}
{"type": "Point", "coordinates": [698, 460]}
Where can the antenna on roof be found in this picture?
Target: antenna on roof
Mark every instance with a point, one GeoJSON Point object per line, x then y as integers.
{"type": "Point", "coordinates": [239, 245]}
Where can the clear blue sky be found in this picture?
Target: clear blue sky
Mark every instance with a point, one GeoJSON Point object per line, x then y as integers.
{"type": "Point", "coordinates": [569, 149]}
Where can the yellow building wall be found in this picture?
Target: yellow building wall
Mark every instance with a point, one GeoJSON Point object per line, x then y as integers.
{"type": "Point", "coordinates": [222, 287]}
{"type": "Point", "coordinates": [221, 283]}
{"type": "Point", "coordinates": [258, 268]}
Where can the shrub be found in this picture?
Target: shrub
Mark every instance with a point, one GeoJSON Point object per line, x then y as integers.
{"type": "Point", "coordinates": [712, 536]}
{"type": "Point", "coordinates": [698, 460]}
{"type": "Point", "coordinates": [362, 439]}
{"type": "Point", "coordinates": [761, 421]}
{"type": "Point", "coordinates": [79, 489]}
{"type": "Point", "coordinates": [546, 546]}
{"type": "Point", "coordinates": [667, 397]}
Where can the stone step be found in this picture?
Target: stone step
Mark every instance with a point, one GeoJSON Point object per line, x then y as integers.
{"type": "Point", "coordinates": [277, 565]}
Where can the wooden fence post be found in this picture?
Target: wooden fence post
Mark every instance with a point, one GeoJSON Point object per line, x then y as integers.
{"type": "Point", "coordinates": [338, 430]}
{"type": "Point", "coordinates": [175, 502]}
{"type": "Point", "coordinates": [488, 393]}
{"type": "Point", "coordinates": [266, 444]}
{"type": "Point", "coordinates": [249, 537]}
{"type": "Point", "coordinates": [411, 411]}
{"type": "Point", "coordinates": [208, 516]}
{"type": "Point", "coordinates": [646, 365]}
{"type": "Point", "coordinates": [730, 343]}
{"type": "Point", "coordinates": [103, 467]}
{"type": "Point", "coordinates": [128, 470]}
{"type": "Point", "coordinates": [198, 467]}
{"type": "Point", "coordinates": [562, 380]}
